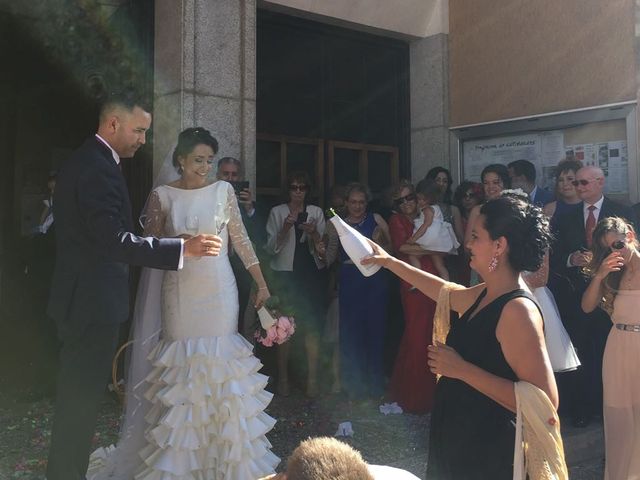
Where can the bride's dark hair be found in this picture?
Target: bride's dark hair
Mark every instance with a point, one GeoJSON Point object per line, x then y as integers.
{"type": "Point", "coordinates": [190, 139]}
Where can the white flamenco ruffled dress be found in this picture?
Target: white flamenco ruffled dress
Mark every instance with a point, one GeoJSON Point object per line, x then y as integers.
{"type": "Point", "coordinates": [562, 355]}
{"type": "Point", "coordinates": [205, 417]}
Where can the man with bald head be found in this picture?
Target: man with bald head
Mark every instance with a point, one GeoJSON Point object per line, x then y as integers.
{"type": "Point", "coordinates": [89, 296]}
{"type": "Point", "coordinates": [570, 254]}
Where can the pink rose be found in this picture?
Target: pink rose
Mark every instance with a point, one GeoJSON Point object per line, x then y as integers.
{"type": "Point", "coordinates": [271, 334]}
{"type": "Point", "coordinates": [284, 323]}
{"type": "Point", "coordinates": [281, 335]}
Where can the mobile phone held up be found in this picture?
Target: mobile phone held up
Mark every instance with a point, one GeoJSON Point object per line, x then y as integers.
{"type": "Point", "coordinates": [240, 186]}
{"type": "Point", "coordinates": [302, 218]}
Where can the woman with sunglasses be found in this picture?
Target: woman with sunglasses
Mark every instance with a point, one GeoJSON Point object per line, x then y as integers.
{"type": "Point", "coordinates": [567, 198]}
{"type": "Point", "coordinates": [362, 302]}
{"type": "Point", "coordinates": [467, 195]}
{"type": "Point", "coordinates": [615, 286]}
{"type": "Point", "coordinates": [294, 239]}
{"type": "Point", "coordinates": [412, 385]}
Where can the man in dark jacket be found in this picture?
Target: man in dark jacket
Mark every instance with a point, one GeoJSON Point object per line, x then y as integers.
{"type": "Point", "coordinates": [570, 254]}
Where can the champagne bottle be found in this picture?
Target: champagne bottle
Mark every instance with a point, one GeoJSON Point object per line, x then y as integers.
{"type": "Point", "coordinates": [354, 243]}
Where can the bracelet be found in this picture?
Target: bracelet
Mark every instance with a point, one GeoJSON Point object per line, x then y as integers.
{"type": "Point", "coordinates": [263, 288]}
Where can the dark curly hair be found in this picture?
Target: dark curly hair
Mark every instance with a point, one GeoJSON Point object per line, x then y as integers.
{"type": "Point", "coordinates": [433, 174]}
{"type": "Point", "coordinates": [523, 225]}
{"type": "Point", "coordinates": [190, 139]}
{"type": "Point", "coordinates": [462, 190]}
{"type": "Point", "coordinates": [500, 170]}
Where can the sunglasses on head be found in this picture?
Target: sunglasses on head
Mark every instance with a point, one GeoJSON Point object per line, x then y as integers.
{"type": "Point", "coordinates": [402, 200]}
{"type": "Point", "coordinates": [298, 188]}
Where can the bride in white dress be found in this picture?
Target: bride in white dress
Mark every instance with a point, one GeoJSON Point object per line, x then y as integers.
{"type": "Point", "coordinates": [195, 407]}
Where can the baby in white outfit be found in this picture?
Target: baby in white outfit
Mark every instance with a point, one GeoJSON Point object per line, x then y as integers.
{"type": "Point", "coordinates": [432, 233]}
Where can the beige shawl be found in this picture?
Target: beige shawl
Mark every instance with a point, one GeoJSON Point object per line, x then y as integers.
{"type": "Point", "coordinates": [538, 446]}
{"type": "Point", "coordinates": [442, 317]}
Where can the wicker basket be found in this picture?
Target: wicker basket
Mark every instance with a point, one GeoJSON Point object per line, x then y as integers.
{"type": "Point", "coordinates": [118, 389]}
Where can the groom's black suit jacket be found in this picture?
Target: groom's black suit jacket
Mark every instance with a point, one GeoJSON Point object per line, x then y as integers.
{"type": "Point", "coordinates": [94, 241]}
{"type": "Point", "coordinates": [570, 237]}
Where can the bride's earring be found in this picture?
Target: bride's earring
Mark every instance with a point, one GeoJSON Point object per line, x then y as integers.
{"type": "Point", "coordinates": [493, 264]}
{"type": "Point", "coordinates": [180, 169]}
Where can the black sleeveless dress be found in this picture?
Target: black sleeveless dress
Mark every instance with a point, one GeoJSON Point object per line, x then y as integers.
{"type": "Point", "coordinates": [472, 436]}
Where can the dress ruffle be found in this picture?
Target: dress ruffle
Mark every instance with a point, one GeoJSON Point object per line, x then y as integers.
{"type": "Point", "coordinates": [207, 419]}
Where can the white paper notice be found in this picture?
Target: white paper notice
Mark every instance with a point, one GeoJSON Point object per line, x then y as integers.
{"type": "Point", "coordinates": [616, 167]}
{"type": "Point", "coordinates": [480, 153]}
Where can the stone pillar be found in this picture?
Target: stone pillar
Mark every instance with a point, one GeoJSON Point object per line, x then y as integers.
{"type": "Point", "coordinates": [204, 75]}
{"type": "Point", "coordinates": [429, 91]}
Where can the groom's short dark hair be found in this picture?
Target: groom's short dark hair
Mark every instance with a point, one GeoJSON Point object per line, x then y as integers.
{"type": "Point", "coordinates": [127, 99]}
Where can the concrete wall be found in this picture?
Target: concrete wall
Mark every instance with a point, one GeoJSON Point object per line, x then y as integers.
{"type": "Point", "coordinates": [205, 75]}
{"type": "Point", "coordinates": [512, 58]}
{"type": "Point", "coordinates": [429, 72]}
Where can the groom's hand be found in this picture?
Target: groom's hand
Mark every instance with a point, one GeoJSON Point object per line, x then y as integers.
{"type": "Point", "coordinates": [204, 245]}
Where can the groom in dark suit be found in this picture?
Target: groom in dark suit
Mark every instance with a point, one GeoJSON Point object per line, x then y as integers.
{"type": "Point", "coordinates": [570, 255]}
{"type": "Point", "coordinates": [90, 289]}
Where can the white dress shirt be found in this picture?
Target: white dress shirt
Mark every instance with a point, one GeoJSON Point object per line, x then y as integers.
{"type": "Point", "coordinates": [596, 212]}
{"type": "Point", "coordinates": [585, 215]}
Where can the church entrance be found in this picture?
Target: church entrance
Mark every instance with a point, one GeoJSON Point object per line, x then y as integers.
{"type": "Point", "coordinates": [332, 102]}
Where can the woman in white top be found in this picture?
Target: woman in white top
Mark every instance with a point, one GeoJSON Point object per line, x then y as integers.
{"type": "Point", "coordinates": [294, 239]}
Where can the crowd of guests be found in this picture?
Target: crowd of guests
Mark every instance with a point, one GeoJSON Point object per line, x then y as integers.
{"type": "Point", "coordinates": [432, 227]}
{"type": "Point", "coordinates": [532, 281]}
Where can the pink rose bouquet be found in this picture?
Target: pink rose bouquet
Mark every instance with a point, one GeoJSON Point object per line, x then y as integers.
{"type": "Point", "coordinates": [276, 326]}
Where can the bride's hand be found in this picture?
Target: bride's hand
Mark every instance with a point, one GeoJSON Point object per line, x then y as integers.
{"type": "Point", "coordinates": [379, 256]}
{"type": "Point", "coordinates": [203, 245]}
{"type": "Point", "coordinates": [262, 294]}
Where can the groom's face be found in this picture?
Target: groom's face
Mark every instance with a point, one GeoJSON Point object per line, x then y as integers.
{"type": "Point", "coordinates": [130, 131]}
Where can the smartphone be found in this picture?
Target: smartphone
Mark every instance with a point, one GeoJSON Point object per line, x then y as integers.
{"type": "Point", "coordinates": [302, 218]}
{"type": "Point", "coordinates": [240, 186]}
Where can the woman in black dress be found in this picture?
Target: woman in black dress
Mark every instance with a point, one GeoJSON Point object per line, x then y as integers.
{"type": "Point", "coordinates": [497, 341]}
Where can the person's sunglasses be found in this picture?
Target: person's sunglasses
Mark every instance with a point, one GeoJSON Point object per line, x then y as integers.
{"type": "Point", "coordinates": [617, 245]}
{"type": "Point", "coordinates": [469, 195]}
{"type": "Point", "coordinates": [298, 188]}
{"type": "Point", "coordinates": [402, 200]}
{"type": "Point", "coordinates": [584, 183]}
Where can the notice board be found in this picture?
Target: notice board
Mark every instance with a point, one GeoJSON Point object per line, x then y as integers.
{"type": "Point", "coordinates": [603, 144]}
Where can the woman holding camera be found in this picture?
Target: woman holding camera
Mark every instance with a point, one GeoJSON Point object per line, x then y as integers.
{"type": "Point", "coordinates": [294, 239]}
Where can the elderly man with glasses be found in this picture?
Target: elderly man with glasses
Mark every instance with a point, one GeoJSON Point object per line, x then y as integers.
{"type": "Point", "coordinates": [570, 254]}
